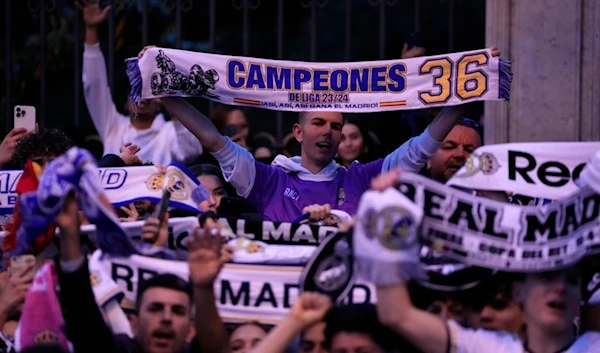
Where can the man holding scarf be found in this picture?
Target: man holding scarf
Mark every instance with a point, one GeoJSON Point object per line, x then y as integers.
{"type": "Point", "coordinates": [281, 191]}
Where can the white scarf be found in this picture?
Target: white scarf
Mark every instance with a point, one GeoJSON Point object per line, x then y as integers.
{"type": "Point", "coordinates": [244, 292]}
{"type": "Point", "coordinates": [302, 86]}
{"type": "Point", "coordinates": [539, 169]}
{"type": "Point", "coordinates": [386, 238]}
{"type": "Point", "coordinates": [123, 186]}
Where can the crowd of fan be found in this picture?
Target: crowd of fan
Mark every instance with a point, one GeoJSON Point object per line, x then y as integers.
{"type": "Point", "coordinates": [336, 152]}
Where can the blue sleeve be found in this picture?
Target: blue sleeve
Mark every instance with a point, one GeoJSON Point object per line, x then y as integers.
{"type": "Point", "coordinates": [412, 155]}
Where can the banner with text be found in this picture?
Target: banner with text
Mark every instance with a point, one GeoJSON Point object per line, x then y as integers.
{"type": "Point", "coordinates": [263, 242]}
{"type": "Point", "coordinates": [502, 236]}
{"type": "Point", "coordinates": [414, 83]}
{"type": "Point", "coordinates": [244, 292]}
{"type": "Point", "coordinates": [123, 186]}
{"type": "Point", "coordinates": [546, 169]}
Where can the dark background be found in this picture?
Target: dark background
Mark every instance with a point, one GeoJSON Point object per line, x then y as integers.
{"type": "Point", "coordinates": [441, 26]}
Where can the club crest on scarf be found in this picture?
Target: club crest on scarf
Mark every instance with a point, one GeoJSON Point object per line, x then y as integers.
{"type": "Point", "coordinates": [485, 162]}
{"type": "Point", "coordinates": [393, 226]}
{"type": "Point", "coordinates": [169, 80]}
{"type": "Point", "coordinates": [175, 184]}
{"type": "Point", "coordinates": [330, 270]}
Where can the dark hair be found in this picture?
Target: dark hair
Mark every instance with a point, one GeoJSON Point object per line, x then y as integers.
{"type": "Point", "coordinates": [361, 319]}
{"type": "Point", "coordinates": [220, 113]}
{"type": "Point", "coordinates": [47, 143]}
{"type": "Point", "coordinates": [206, 169]}
{"type": "Point", "coordinates": [165, 280]}
{"type": "Point", "coordinates": [372, 152]}
{"type": "Point", "coordinates": [233, 327]}
{"type": "Point", "coordinates": [470, 123]}
{"type": "Point", "coordinates": [210, 169]}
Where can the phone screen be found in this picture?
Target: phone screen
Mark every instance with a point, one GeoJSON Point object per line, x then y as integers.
{"type": "Point", "coordinates": [19, 262]}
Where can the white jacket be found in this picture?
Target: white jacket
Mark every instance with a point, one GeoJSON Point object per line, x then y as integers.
{"type": "Point", "coordinates": [164, 142]}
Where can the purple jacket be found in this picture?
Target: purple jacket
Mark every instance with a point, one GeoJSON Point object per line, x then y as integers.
{"type": "Point", "coordinates": [280, 191]}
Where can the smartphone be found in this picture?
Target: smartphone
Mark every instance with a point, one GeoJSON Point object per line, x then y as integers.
{"type": "Point", "coordinates": [24, 116]}
{"type": "Point", "coordinates": [17, 263]}
{"type": "Point", "coordinates": [230, 206]}
{"type": "Point", "coordinates": [163, 205]}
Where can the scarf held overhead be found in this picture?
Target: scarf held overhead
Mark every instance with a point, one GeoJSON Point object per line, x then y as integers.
{"type": "Point", "coordinates": [415, 83]}
{"type": "Point", "coordinates": [506, 237]}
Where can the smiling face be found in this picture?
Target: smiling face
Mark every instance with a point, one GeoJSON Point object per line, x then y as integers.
{"type": "Point", "coordinates": [352, 145]}
{"type": "Point", "coordinates": [551, 299]}
{"type": "Point", "coordinates": [319, 134]}
{"type": "Point", "coordinates": [456, 148]}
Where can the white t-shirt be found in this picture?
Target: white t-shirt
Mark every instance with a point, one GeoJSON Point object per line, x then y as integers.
{"type": "Point", "coordinates": [483, 341]}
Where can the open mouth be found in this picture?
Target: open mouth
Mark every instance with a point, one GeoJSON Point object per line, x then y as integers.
{"type": "Point", "coordinates": [324, 145]}
{"type": "Point", "coordinates": [163, 338]}
{"type": "Point", "coordinates": [455, 166]}
{"type": "Point", "coordinates": [557, 305]}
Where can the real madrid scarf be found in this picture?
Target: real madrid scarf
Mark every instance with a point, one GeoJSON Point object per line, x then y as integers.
{"type": "Point", "coordinates": [303, 86]}
{"type": "Point", "coordinates": [501, 236]}
{"type": "Point", "coordinates": [539, 170]}
{"type": "Point", "coordinates": [73, 171]}
{"type": "Point", "coordinates": [123, 186]}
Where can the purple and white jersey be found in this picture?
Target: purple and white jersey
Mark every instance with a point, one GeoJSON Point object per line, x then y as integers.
{"type": "Point", "coordinates": [282, 190]}
{"type": "Point", "coordinates": [282, 196]}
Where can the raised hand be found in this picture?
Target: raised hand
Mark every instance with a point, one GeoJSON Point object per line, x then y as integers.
{"type": "Point", "coordinates": [131, 212]}
{"type": "Point", "coordinates": [93, 14]}
{"type": "Point", "coordinates": [385, 180]}
{"type": "Point", "coordinates": [495, 50]}
{"type": "Point", "coordinates": [128, 154]}
{"type": "Point", "coordinates": [15, 288]}
{"type": "Point", "coordinates": [413, 52]}
{"type": "Point", "coordinates": [7, 148]}
{"type": "Point", "coordinates": [156, 232]}
{"type": "Point", "coordinates": [310, 308]}
{"type": "Point", "coordinates": [317, 212]}
{"type": "Point", "coordinates": [144, 50]}
{"type": "Point", "coordinates": [206, 257]}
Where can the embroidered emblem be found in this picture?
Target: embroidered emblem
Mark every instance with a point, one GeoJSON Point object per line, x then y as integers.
{"type": "Point", "coordinates": [486, 163]}
{"type": "Point", "coordinates": [341, 197]}
{"type": "Point", "coordinates": [168, 81]}
{"type": "Point", "coordinates": [46, 337]}
{"type": "Point", "coordinates": [393, 226]}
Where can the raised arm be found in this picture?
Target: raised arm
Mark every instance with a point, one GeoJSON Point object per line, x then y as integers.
{"type": "Point", "coordinates": [206, 258]}
{"type": "Point", "coordinates": [308, 309]}
{"type": "Point", "coordinates": [85, 326]}
{"type": "Point", "coordinates": [394, 307]}
{"type": "Point", "coordinates": [236, 162]}
{"type": "Point", "coordinates": [414, 153]}
{"type": "Point", "coordinates": [196, 122]}
{"type": "Point", "coordinates": [96, 92]}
